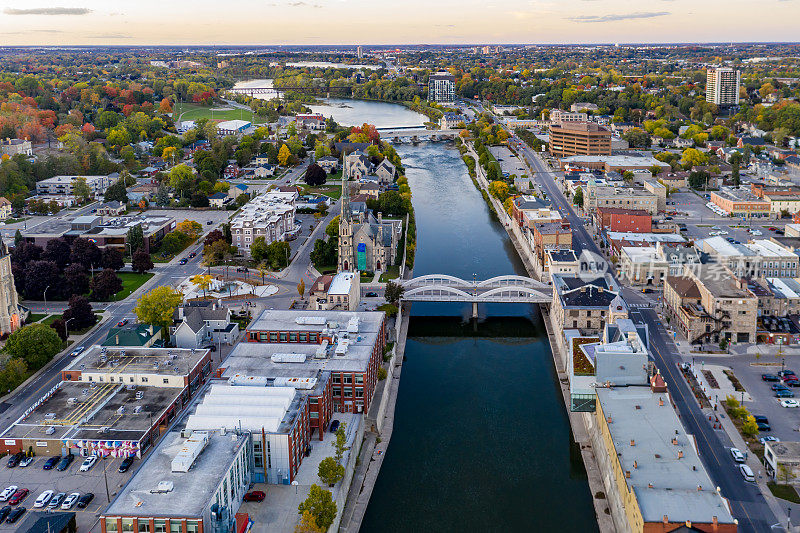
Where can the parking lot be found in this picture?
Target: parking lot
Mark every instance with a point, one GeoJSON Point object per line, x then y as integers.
{"type": "Point", "coordinates": [509, 163]}
{"type": "Point", "coordinates": [216, 216]}
{"type": "Point", "coordinates": [37, 480]}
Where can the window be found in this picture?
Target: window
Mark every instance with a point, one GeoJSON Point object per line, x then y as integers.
{"type": "Point", "coordinates": [359, 379]}
{"type": "Point", "coordinates": [160, 526]}
{"type": "Point", "coordinates": [273, 337]}
{"type": "Point", "coordinates": [337, 391]}
{"type": "Point", "coordinates": [359, 392]}
{"type": "Point", "coordinates": [283, 337]}
{"type": "Point", "coordinates": [175, 526]}
{"type": "Point", "coordinates": [132, 379]}
{"type": "Point", "coordinates": [192, 526]}
{"type": "Point", "coordinates": [348, 393]}
{"type": "Point", "coordinates": [144, 526]}
{"type": "Point", "coordinates": [127, 524]}
{"type": "Point", "coordinates": [348, 379]}
{"type": "Point", "coordinates": [111, 525]}
{"type": "Point", "coordinates": [292, 337]}
{"type": "Point", "coordinates": [144, 380]}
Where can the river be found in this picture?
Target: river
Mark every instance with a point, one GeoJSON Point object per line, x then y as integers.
{"type": "Point", "coordinates": [481, 439]}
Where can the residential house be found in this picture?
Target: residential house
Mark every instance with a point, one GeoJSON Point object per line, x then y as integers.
{"type": "Point", "coordinates": [356, 165]}
{"type": "Point", "coordinates": [203, 323]}
{"type": "Point", "coordinates": [386, 172]}
{"type": "Point", "coordinates": [136, 335]}
{"type": "Point", "coordinates": [218, 200]}
{"type": "Point", "coordinates": [328, 163]}
{"type": "Point", "coordinates": [5, 208]}
{"type": "Point", "coordinates": [12, 147]}
{"type": "Point", "coordinates": [340, 292]}
{"type": "Point", "coordinates": [112, 209]}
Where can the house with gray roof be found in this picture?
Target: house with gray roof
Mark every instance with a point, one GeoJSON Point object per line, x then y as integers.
{"type": "Point", "coordinates": [204, 323]}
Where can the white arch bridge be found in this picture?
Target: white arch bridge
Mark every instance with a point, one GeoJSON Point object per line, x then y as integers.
{"type": "Point", "coordinates": [500, 289]}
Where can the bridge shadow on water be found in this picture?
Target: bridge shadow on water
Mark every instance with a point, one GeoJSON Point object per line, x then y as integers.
{"type": "Point", "coordinates": [514, 329]}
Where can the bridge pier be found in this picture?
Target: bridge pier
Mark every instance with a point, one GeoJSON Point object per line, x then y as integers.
{"type": "Point", "coordinates": [474, 309]}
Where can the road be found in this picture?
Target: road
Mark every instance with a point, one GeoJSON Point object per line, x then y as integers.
{"type": "Point", "coordinates": [747, 503]}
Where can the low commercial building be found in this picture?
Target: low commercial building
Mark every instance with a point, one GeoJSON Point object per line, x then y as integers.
{"type": "Point", "coordinates": [347, 344]}
{"type": "Point", "coordinates": [782, 461]}
{"type": "Point", "coordinates": [642, 266]}
{"type": "Point", "coordinates": [783, 299]}
{"type": "Point", "coordinates": [621, 219]}
{"type": "Point", "coordinates": [558, 117]}
{"type": "Point", "coordinates": [104, 233]}
{"type": "Point", "coordinates": [528, 209]}
{"type": "Point", "coordinates": [166, 495]}
{"type": "Point", "coordinates": [660, 192]}
{"type": "Point", "coordinates": [677, 256]}
{"type": "Point", "coordinates": [654, 464]}
{"type": "Point", "coordinates": [233, 127]}
{"type": "Point", "coordinates": [270, 215]}
{"type": "Point", "coordinates": [550, 235]}
{"type": "Point", "coordinates": [579, 138]}
{"type": "Point", "coordinates": [582, 302]}
{"type": "Point", "coordinates": [65, 185]}
{"type": "Point", "coordinates": [134, 335]}
{"type": "Point", "coordinates": [111, 401]}
{"type": "Point", "coordinates": [759, 258]}
{"type": "Point", "coordinates": [619, 197]}
{"type": "Point", "coordinates": [563, 262]}
{"type": "Point", "coordinates": [339, 292]}
{"type": "Point", "coordinates": [741, 203]}
{"type": "Point", "coordinates": [614, 163]}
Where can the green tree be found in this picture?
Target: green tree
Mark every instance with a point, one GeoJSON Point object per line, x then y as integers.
{"type": "Point", "coordinates": [35, 344]}
{"type": "Point", "coordinates": [340, 444]}
{"type": "Point", "coordinates": [321, 505]}
{"type": "Point", "coordinates": [578, 198]}
{"type": "Point", "coordinates": [181, 178]}
{"type": "Point", "coordinates": [393, 292]}
{"type": "Point", "coordinates": [116, 193]}
{"type": "Point", "coordinates": [81, 189]}
{"type": "Point", "coordinates": [157, 307]}
{"type": "Point", "coordinates": [330, 472]}
{"type": "Point", "coordinates": [135, 238]}
{"type": "Point", "coordinates": [332, 229]}
{"type": "Point", "coordinates": [258, 250]}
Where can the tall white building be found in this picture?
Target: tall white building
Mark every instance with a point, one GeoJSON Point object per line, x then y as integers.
{"type": "Point", "coordinates": [442, 87]}
{"type": "Point", "coordinates": [722, 86]}
{"type": "Point", "coordinates": [360, 52]}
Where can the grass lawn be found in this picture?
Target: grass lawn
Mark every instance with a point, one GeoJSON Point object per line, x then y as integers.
{"type": "Point", "coordinates": [334, 191]}
{"type": "Point", "coordinates": [326, 269]}
{"type": "Point", "coordinates": [15, 220]}
{"type": "Point", "coordinates": [784, 492]}
{"type": "Point", "coordinates": [130, 282]}
{"type": "Point", "coordinates": [50, 319]}
{"type": "Point", "coordinates": [35, 317]}
{"type": "Point", "coordinates": [392, 273]}
{"type": "Point", "coordinates": [196, 112]}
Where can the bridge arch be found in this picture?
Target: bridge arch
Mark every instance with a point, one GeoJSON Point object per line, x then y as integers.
{"type": "Point", "coordinates": [514, 292]}
{"type": "Point", "coordinates": [436, 279]}
{"type": "Point", "coordinates": [512, 281]}
{"type": "Point", "coordinates": [437, 292]}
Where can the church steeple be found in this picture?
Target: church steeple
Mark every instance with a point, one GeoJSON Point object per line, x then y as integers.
{"type": "Point", "coordinates": [346, 252]}
{"type": "Point", "coordinates": [345, 198]}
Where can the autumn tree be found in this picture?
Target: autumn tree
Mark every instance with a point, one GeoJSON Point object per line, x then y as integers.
{"type": "Point", "coordinates": [165, 107]}
{"type": "Point", "coordinates": [499, 189]}
{"type": "Point", "coordinates": [190, 228]}
{"type": "Point", "coordinates": [340, 444]}
{"type": "Point", "coordinates": [308, 523]}
{"type": "Point", "coordinates": [76, 280]}
{"type": "Point", "coordinates": [301, 288]}
{"type": "Point", "coordinates": [203, 281]}
{"type": "Point", "coordinates": [157, 306]}
{"type": "Point", "coordinates": [321, 506]}
{"type": "Point", "coordinates": [330, 472]}
{"type": "Point", "coordinates": [112, 258]}
{"type": "Point", "coordinates": [284, 154]}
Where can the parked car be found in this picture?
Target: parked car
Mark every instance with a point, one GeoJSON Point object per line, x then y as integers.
{"type": "Point", "coordinates": [56, 501]}
{"type": "Point", "coordinates": [14, 515]}
{"type": "Point", "coordinates": [18, 496]}
{"type": "Point", "coordinates": [8, 492]}
{"type": "Point", "coordinates": [738, 456]}
{"type": "Point", "coordinates": [778, 386]}
{"type": "Point", "coordinates": [792, 382]}
{"type": "Point", "coordinates": [790, 403]}
{"type": "Point", "coordinates": [85, 500]}
{"type": "Point", "coordinates": [26, 461]}
{"type": "Point", "coordinates": [784, 373]}
{"type": "Point", "coordinates": [784, 393]}
{"type": "Point", "coordinates": [70, 500]}
{"type": "Point", "coordinates": [4, 512]}
{"type": "Point", "coordinates": [747, 473]}
{"type": "Point", "coordinates": [769, 377]}
{"type": "Point", "coordinates": [769, 438]}
{"type": "Point", "coordinates": [51, 462]}
{"type": "Point", "coordinates": [65, 461]}
{"type": "Point", "coordinates": [334, 426]}
{"type": "Point", "coordinates": [763, 423]}
{"type": "Point", "coordinates": [211, 221]}
{"type": "Point", "coordinates": [43, 498]}
{"type": "Point", "coordinates": [254, 496]}
{"type": "Point", "coordinates": [88, 463]}
{"type": "Point", "coordinates": [13, 460]}
{"type": "Point", "coordinates": [125, 464]}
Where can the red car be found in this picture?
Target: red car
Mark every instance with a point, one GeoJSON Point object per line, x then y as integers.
{"type": "Point", "coordinates": [255, 496]}
{"type": "Point", "coordinates": [18, 496]}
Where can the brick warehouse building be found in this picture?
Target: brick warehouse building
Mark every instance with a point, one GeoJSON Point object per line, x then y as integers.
{"type": "Point", "coordinates": [346, 345]}
{"type": "Point", "coordinates": [620, 219]}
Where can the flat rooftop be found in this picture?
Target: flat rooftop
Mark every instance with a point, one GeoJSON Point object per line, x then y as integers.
{"type": "Point", "coordinates": [720, 246]}
{"type": "Point", "coordinates": [644, 237]}
{"type": "Point", "coordinates": [78, 411]}
{"type": "Point", "coordinates": [133, 360]}
{"type": "Point", "coordinates": [191, 491]}
{"type": "Point", "coordinates": [665, 484]}
{"type": "Point", "coordinates": [718, 282]}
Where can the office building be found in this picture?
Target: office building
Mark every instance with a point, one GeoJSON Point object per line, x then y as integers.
{"type": "Point", "coordinates": [722, 86]}
{"type": "Point", "coordinates": [579, 138]}
{"type": "Point", "coordinates": [65, 185]}
{"type": "Point", "coordinates": [442, 87]}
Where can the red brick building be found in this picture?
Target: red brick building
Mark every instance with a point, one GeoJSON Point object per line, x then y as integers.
{"type": "Point", "coordinates": [620, 219]}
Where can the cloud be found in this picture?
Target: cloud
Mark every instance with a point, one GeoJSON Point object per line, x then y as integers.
{"type": "Point", "coordinates": [48, 11]}
{"type": "Point", "coordinates": [622, 16]}
{"type": "Point", "coordinates": [32, 31]}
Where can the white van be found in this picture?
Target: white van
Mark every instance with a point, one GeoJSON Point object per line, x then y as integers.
{"type": "Point", "coordinates": [747, 473]}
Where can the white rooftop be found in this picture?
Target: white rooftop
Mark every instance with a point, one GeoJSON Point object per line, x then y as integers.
{"type": "Point", "coordinates": [645, 237]}
{"type": "Point", "coordinates": [766, 248]}
{"type": "Point", "coordinates": [341, 283]}
{"type": "Point", "coordinates": [247, 408]}
{"type": "Point", "coordinates": [642, 254]}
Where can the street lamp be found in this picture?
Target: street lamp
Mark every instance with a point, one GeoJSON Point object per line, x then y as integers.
{"type": "Point", "coordinates": [66, 327]}
{"type": "Point", "coordinates": [45, 298]}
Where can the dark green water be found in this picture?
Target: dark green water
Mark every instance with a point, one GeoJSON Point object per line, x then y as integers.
{"type": "Point", "coordinates": [481, 440]}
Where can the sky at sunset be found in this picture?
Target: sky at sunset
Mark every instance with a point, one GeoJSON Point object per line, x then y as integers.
{"type": "Point", "coordinates": [267, 22]}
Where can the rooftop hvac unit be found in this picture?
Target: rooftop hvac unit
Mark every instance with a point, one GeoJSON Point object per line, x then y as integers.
{"type": "Point", "coordinates": [288, 358]}
{"type": "Point", "coordinates": [310, 320]}
{"type": "Point", "coordinates": [105, 429]}
{"type": "Point", "coordinates": [163, 487]}
{"type": "Point", "coordinates": [352, 325]}
{"type": "Point", "coordinates": [50, 416]}
{"type": "Point", "coordinates": [137, 409]}
{"type": "Point", "coordinates": [139, 395]}
{"type": "Point", "coordinates": [121, 410]}
{"type": "Point", "coordinates": [186, 433]}
{"type": "Point", "coordinates": [50, 430]}
{"type": "Point", "coordinates": [72, 401]}
{"type": "Point", "coordinates": [190, 451]}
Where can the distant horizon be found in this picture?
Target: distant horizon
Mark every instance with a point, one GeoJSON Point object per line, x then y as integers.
{"type": "Point", "coordinates": [385, 23]}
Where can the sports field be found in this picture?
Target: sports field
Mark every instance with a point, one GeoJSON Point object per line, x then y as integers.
{"type": "Point", "coordinates": [195, 112]}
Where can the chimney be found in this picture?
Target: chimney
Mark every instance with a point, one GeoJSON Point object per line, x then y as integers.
{"type": "Point", "coordinates": [665, 519]}
{"type": "Point", "coordinates": [661, 402]}
{"type": "Point", "coordinates": [628, 474]}
{"type": "Point", "coordinates": [649, 485]}
{"type": "Point", "coordinates": [608, 419]}
{"type": "Point", "coordinates": [633, 442]}
{"type": "Point", "coordinates": [635, 465]}
{"type": "Point", "coordinates": [674, 441]}
{"type": "Point", "coordinates": [699, 488]}
{"type": "Point", "coordinates": [680, 454]}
